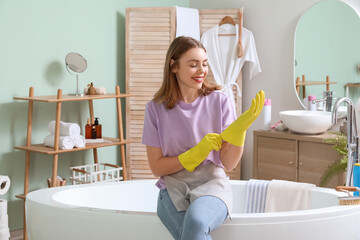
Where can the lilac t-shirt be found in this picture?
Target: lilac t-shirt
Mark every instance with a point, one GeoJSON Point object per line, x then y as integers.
{"type": "Point", "coordinates": [177, 130]}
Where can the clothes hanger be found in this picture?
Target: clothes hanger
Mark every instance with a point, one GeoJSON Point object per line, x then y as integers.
{"type": "Point", "coordinates": [227, 20]}
{"type": "Point", "coordinates": [230, 20]}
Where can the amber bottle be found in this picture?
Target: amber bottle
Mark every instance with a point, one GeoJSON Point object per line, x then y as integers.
{"type": "Point", "coordinates": [88, 129]}
{"type": "Point", "coordinates": [97, 128]}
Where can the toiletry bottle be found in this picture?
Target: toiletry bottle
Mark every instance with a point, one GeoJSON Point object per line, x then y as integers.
{"type": "Point", "coordinates": [356, 177]}
{"type": "Point", "coordinates": [93, 132]}
{"type": "Point", "coordinates": [311, 105]}
{"type": "Point", "coordinates": [88, 129]}
{"type": "Point", "coordinates": [98, 128]}
{"type": "Point", "coordinates": [267, 114]}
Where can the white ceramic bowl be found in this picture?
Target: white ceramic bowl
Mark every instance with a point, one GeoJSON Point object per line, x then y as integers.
{"type": "Point", "coordinates": [306, 122]}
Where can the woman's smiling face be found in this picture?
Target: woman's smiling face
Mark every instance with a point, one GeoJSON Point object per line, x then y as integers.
{"type": "Point", "coordinates": [191, 70]}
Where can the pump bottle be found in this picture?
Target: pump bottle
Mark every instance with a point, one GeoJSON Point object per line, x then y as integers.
{"type": "Point", "coordinates": [97, 128]}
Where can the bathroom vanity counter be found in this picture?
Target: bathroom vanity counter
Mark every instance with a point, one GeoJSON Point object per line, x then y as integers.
{"type": "Point", "coordinates": [295, 157]}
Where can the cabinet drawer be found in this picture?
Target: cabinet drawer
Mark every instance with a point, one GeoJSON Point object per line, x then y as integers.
{"type": "Point", "coordinates": [276, 158]}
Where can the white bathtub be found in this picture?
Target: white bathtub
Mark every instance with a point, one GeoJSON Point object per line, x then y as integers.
{"type": "Point", "coordinates": [127, 210]}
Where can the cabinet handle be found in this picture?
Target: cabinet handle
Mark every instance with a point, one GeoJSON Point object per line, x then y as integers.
{"type": "Point", "coordinates": [300, 164]}
{"type": "Point", "coordinates": [290, 163]}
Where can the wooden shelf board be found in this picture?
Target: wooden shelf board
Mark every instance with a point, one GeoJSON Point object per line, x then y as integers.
{"type": "Point", "coordinates": [314, 83]}
{"type": "Point", "coordinates": [41, 148]}
{"type": "Point", "coordinates": [68, 98]}
{"type": "Point", "coordinates": [352, 85]}
{"type": "Point", "coordinates": [21, 196]}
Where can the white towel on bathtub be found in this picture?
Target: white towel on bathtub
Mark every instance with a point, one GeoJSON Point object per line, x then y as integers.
{"type": "Point", "coordinates": [65, 142]}
{"type": "Point", "coordinates": [66, 129]}
{"type": "Point", "coordinates": [288, 196]}
{"type": "Point", "coordinates": [255, 195]}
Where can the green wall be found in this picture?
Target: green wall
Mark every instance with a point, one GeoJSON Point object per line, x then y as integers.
{"type": "Point", "coordinates": [327, 43]}
{"type": "Point", "coordinates": [35, 36]}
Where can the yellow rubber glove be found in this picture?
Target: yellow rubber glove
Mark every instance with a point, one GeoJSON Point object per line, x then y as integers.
{"type": "Point", "coordinates": [236, 132]}
{"type": "Point", "coordinates": [196, 155]}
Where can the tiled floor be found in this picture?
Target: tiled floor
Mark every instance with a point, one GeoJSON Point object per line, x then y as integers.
{"type": "Point", "coordinates": [16, 235]}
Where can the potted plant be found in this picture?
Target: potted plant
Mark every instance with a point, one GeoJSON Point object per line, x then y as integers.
{"type": "Point", "coordinates": [339, 166]}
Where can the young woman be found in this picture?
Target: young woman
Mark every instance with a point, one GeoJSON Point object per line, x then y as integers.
{"type": "Point", "coordinates": [183, 124]}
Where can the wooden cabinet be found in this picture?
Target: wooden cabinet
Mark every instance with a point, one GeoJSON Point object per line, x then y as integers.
{"type": "Point", "coordinates": [293, 157]}
{"type": "Point", "coordinates": [55, 151]}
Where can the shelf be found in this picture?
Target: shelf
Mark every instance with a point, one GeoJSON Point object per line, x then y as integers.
{"type": "Point", "coordinates": [69, 98]}
{"type": "Point", "coordinates": [41, 148]}
{"type": "Point", "coordinates": [21, 196]}
{"type": "Point", "coordinates": [314, 83]}
{"type": "Point", "coordinates": [352, 85]}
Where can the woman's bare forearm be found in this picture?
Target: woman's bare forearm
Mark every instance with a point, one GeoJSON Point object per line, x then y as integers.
{"type": "Point", "coordinates": [162, 166]}
{"type": "Point", "coordinates": [230, 155]}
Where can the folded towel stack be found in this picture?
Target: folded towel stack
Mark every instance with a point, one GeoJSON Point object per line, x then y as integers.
{"type": "Point", "coordinates": [69, 136]}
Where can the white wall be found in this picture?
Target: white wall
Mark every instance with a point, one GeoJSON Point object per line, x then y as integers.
{"type": "Point", "coordinates": [273, 24]}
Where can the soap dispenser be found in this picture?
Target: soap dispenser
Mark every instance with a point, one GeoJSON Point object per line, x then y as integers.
{"type": "Point", "coordinates": [97, 128]}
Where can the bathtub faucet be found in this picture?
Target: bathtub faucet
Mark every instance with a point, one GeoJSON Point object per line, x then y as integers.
{"type": "Point", "coordinates": [327, 98]}
{"type": "Point", "coordinates": [352, 138]}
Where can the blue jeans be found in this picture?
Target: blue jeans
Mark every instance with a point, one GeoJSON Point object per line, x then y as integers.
{"type": "Point", "coordinates": [204, 215]}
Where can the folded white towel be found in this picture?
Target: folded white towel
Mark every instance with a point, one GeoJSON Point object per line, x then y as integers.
{"type": "Point", "coordinates": [255, 195]}
{"type": "Point", "coordinates": [66, 129]}
{"type": "Point", "coordinates": [187, 22]}
{"type": "Point", "coordinates": [288, 196]}
{"type": "Point", "coordinates": [79, 141]}
{"type": "Point", "coordinates": [65, 142]}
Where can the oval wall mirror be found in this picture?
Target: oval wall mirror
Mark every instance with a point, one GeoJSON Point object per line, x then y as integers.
{"type": "Point", "coordinates": [327, 48]}
{"type": "Point", "coordinates": [75, 64]}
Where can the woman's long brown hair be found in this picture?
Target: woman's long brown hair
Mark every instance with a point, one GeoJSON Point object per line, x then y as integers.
{"type": "Point", "coordinates": [169, 92]}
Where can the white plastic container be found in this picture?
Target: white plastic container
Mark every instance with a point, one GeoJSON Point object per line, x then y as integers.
{"type": "Point", "coordinates": [267, 114]}
{"type": "Point", "coordinates": [311, 105]}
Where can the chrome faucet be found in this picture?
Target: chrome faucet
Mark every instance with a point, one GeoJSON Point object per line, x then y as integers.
{"type": "Point", "coordinates": [327, 98]}
{"type": "Point", "coordinates": [352, 138]}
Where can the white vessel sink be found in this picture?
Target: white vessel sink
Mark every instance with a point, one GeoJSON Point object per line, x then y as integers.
{"type": "Point", "coordinates": [306, 122]}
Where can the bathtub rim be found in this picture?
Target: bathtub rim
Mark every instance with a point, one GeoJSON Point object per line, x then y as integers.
{"type": "Point", "coordinates": [44, 198]}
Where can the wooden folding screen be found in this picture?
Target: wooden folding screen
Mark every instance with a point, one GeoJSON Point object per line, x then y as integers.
{"type": "Point", "coordinates": [149, 32]}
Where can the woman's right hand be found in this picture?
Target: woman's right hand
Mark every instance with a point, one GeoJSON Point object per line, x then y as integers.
{"type": "Point", "coordinates": [196, 155]}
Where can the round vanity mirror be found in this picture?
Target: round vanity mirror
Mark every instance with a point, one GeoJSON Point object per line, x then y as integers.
{"type": "Point", "coordinates": [327, 53]}
{"type": "Point", "coordinates": [75, 64]}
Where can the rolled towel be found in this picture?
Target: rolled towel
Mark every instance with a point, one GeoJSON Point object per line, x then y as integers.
{"type": "Point", "coordinates": [66, 129]}
{"type": "Point", "coordinates": [79, 141]}
{"type": "Point", "coordinates": [65, 142]}
{"type": "Point", "coordinates": [100, 90]}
